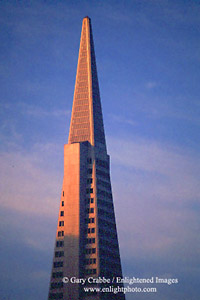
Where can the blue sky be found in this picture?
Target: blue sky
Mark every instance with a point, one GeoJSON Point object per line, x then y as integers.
{"type": "Point", "coordinates": [148, 64]}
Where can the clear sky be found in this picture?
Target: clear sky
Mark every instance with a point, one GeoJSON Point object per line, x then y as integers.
{"type": "Point", "coordinates": [148, 61]}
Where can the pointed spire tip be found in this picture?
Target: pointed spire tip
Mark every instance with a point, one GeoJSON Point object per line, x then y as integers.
{"type": "Point", "coordinates": [86, 17]}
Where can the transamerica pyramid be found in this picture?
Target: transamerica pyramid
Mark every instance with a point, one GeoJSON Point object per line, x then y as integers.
{"type": "Point", "coordinates": [86, 261]}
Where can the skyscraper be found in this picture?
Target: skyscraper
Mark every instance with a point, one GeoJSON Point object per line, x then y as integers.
{"type": "Point", "coordinates": [86, 240]}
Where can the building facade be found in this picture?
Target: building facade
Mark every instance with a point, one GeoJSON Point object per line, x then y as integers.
{"type": "Point", "coordinates": [86, 240]}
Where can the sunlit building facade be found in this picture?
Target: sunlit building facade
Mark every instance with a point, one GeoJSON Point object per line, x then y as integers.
{"type": "Point", "coordinates": [86, 240]}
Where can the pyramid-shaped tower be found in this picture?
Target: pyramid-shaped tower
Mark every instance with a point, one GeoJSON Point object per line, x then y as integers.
{"type": "Point", "coordinates": [86, 240]}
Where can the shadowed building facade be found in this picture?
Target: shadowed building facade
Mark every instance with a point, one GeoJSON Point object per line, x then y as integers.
{"type": "Point", "coordinates": [86, 240]}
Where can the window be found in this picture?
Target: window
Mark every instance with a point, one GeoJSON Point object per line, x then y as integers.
{"type": "Point", "coordinates": [89, 180]}
{"type": "Point", "coordinates": [56, 285]}
{"type": "Point", "coordinates": [62, 203]}
{"type": "Point", "coordinates": [90, 261]}
{"type": "Point", "coordinates": [59, 253]}
{"type": "Point", "coordinates": [89, 220]}
{"type": "Point", "coordinates": [62, 213]}
{"type": "Point", "coordinates": [63, 193]}
{"type": "Point", "coordinates": [58, 264]}
{"type": "Point", "coordinates": [90, 250]}
{"type": "Point", "coordinates": [90, 210]}
{"type": "Point", "coordinates": [89, 160]}
{"type": "Point", "coordinates": [90, 241]}
{"type": "Point", "coordinates": [60, 233]}
{"type": "Point", "coordinates": [102, 163]}
{"type": "Point", "coordinates": [89, 171]}
{"type": "Point", "coordinates": [57, 274]}
{"type": "Point", "coordinates": [61, 223]}
{"type": "Point", "coordinates": [89, 200]}
{"type": "Point", "coordinates": [89, 191]}
{"type": "Point", "coordinates": [60, 244]}
{"type": "Point", "coordinates": [91, 230]}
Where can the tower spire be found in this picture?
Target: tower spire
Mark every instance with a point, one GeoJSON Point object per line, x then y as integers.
{"type": "Point", "coordinates": [86, 119]}
{"type": "Point", "coordinates": [86, 239]}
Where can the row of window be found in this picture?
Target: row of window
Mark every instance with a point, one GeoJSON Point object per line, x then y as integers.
{"type": "Point", "coordinates": [81, 120]}
{"type": "Point", "coordinates": [111, 265]}
{"type": "Point", "coordinates": [82, 65]}
{"type": "Point", "coordinates": [83, 71]}
{"type": "Point", "coordinates": [81, 90]}
{"type": "Point", "coordinates": [82, 84]}
{"type": "Point", "coordinates": [90, 210]}
{"type": "Point", "coordinates": [104, 183]}
{"type": "Point", "coordinates": [82, 78]}
{"type": "Point", "coordinates": [104, 213]}
{"type": "Point", "coordinates": [104, 203]}
{"type": "Point", "coordinates": [89, 200]}
{"type": "Point", "coordinates": [78, 138]}
{"type": "Point", "coordinates": [58, 264]}
{"type": "Point", "coordinates": [81, 95]}
{"type": "Point", "coordinates": [90, 261]}
{"type": "Point", "coordinates": [89, 180]}
{"type": "Point", "coordinates": [110, 233]}
{"type": "Point", "coordinates": [90, 271]}
{"type": "Point", "coordinates": [89, 190]}
{"type": "Point", "coordinates": [106, 224]}
{"type": "Point", "coordinates": [60, 233]}
{"type": "Point", "coordinates": [83, 59]}
{"type": "Point", "coordinates": [89, 220]}
{"type": "Point", "coordinates": [56, 285]}
{"type": "Point", "coordinates": [111, 253]}
{"type": "Point", "coordinates": [61, 223]}
{"type": "Point", "coordinates": [60, 244]}
{"type": "Point", "coordinates": [102, 163]}
{"type": "Point", "coordinates": [90, 250]}
{"type": "Point", "coordinates": [90, 240]}
{"type": "Point", "coordinates": [81, 132]}
{"type": "Point", "coordinates": [108, 243]}
{"type": "Point", "coordinates": [59, 253]}
{"type": "Point", "coordinates": [89, 171]}
{"type": "Point", "coordinates": [82, 107]}
{"type": "Point", "coordinates": [57, 274]}
{"type": "Point", "coordinates": [90, 230]}
{"type": "Point", "coordinates": [103, 174]}
{"type": "Point", "coordinates": [89, 160]}
{"type": "Point", "coordinates": [104, 194]}
{"type": "Point", "coordinates": [80, 103]}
